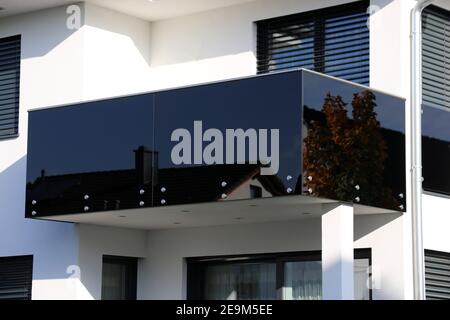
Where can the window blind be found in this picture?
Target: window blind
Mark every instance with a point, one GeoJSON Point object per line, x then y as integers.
{"type": "Point", "coordinates": [16, 275]}
{"type": "Point", "coordinates": [9, 86]}
{"type": "Point", "coordinates": [436, 57]}
{"type": "Point", "coordinates": [333, 40]}
{"type": "Point", "coordinates": [437, 275]}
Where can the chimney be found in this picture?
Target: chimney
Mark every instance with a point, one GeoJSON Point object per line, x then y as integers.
{"type": "Point", "coordinates": [146, 164]}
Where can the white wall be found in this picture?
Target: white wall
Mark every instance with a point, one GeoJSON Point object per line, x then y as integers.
{"type": "Point", "coordinates": [115, 54]}
{"type": "Point", "coordinates": [389, 71]}
{"type": "Point", "coordinates": [51, 72]}
{"type": "Point", "coordinates": [106, 57]}
{"type": "Point", "coordinates": [214, 45]}
{"type": "Point", "coordinates": [96, 241]}
{"type": "Point", "coordinates": [436, 222]}
{"type": "Point", "coordinates": [164, 270]}
{"type": "Point", "coordinates": [164, 267]}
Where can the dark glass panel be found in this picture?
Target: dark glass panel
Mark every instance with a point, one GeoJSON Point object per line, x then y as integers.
{"type": "Point", "coordinates": [154, 149]}
{"type": "Point", "coordinates": [354, 143]}
{"type": "Point", "coordinates": [260, 103]}
{"type": "Point", "coordinates": [436, 149]}
{"type": "Point", "coordinates": [90, 157]}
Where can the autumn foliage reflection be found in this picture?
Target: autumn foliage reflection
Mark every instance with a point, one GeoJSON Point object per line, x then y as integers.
{"type": "Point", "coordinates": [344, 157]}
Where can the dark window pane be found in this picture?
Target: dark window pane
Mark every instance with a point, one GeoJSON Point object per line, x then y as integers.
{"type": "Point", "coordinates": [119, 276]}
{"type": "Point", "coordinates": [255, 192]}
{"type": "Point", "coordinates": [436, 149]}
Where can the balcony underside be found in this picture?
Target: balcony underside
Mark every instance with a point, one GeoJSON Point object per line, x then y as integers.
{"type": "Point", "coordinates": [214, 214]}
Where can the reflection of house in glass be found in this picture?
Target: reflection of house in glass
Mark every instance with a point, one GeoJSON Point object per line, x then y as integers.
{"type": "Point", "coordinates": [147, 185]}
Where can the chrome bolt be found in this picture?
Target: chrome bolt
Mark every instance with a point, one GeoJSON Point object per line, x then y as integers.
{"type": "Point", "coordinates": [86, 208]}
{"type": "Point", "coordinates": [357, 187]}
{"type": "Point", "coordinates": [224, 184]}
{"type": "Point", "coordinates": [86, 197]}
{"type": "Point", "coordinates": [310, 190]}
{"type": "Point", "coordinates": [357, 199]}
{"type": "Point", "coordinates": [289, 178]}
{"type": "Point", "coordinates": [224, 196]}
{"type": "Point", "coordinates": [163, 189]}
{"type": "Point", "coordinates": [33, 202]}
{"type": "Point", "coordinates": [33, 213]}
{"type": "Point", "coordinates": [142, 203]}
{"type": "Point", "coordinates": [402, 207]}
{"type": "Point", "coordinates": [401, 195]}
{"type": "Point", "coordinates": [163, 201]}
{"type": "Point", "coordinates": [289, 190]}
{"type": "Point", "coordinates": [142, 191]}
{"type": "Point", "coordinates": [309, 178]}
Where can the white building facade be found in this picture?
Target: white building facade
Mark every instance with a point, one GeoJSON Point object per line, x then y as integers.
{"type": "Point", "coordinates": [288, 247]}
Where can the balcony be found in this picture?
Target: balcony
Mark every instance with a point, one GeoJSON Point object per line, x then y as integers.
{"type": "Point", "coordinates": [264, 145]}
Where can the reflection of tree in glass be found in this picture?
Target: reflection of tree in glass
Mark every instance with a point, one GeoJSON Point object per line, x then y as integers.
{"type": "Point", "coordinates": [341, 153]}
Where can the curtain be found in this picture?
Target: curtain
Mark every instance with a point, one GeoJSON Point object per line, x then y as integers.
{"type": "Point", "coordinates": [241, 281]}
{"type": "Point", "coordinates": [113, 281]}
{"type": "Point", "coordinates": [302, 280]}
{"type": "Point", "coordinates": [257, 281]}
{"type": "Point", "coordinates": [361, 279]}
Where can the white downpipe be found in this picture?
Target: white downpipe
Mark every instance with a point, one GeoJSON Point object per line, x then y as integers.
{"type": "Point", "coordinates": [416, 148]}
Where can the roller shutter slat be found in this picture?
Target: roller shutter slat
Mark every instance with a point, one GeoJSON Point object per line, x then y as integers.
{"type": "Point", "coordinates": [9, 85]}
{"type": "Point", "coordinates": [333, 40]}
{"type": "Point", "coordinates": [437, 275]}
{"type": "Point", "coordinates": [436, 56]}
{"type": "Point", "coordinates": [16, 275]}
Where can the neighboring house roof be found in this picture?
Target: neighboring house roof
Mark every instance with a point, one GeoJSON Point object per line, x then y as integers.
{"type": "Point", "coordinates": [109, 190]}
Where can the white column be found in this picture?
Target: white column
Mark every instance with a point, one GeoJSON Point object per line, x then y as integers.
{"type": "Point", "coordinates": [337, 253]}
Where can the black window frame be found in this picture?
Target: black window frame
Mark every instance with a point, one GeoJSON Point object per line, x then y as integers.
{"type": "Point", "coordinates": [23, 264]}
{"type": "Point", "coordinates": [318, 19]}
{"type": "Point", "coordinates": [11, 61]}
{"type": "Point", "coordinates": [131, 264]}
{"type": "Point", "coordinates": [195, 267]}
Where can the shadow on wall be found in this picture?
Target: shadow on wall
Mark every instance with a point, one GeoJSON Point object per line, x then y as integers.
{"type": "Point", "coordinates": [366, 224]}
{"type": "Point", "coordinates": [53, 244]}
{"type": "Point", "coordinates": [194, 38]}
{"type": "Point", "coordinates": [131, 28]}
{"type": "Point", "coordinates": [43, 31]}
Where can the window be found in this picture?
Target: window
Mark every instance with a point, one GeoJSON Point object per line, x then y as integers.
{"type": "Point", "coordinates": [436, 57]}
{"type": "Point", "coordinates": [334, 41]}
{"type": "Point", "coordinates": [9, 86]}
{"type": "Point", "coordinates": [255, 192]}
{"type": "Point", "coordinates": [119, 278]}
{"type": "Point", "coordinates": [16, 276]}
{"type": "Point", "coordinates": [437, 275]}
{"type": "Point", "coordinates": [291, 276]}
{"type": "Point", "coordinates": [436, 99]}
